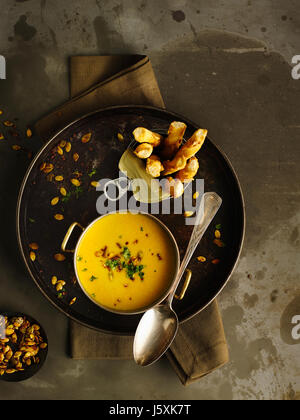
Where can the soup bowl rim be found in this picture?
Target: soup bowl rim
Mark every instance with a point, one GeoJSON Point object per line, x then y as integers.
{"type": "Point", "coordinates": [169, 288]}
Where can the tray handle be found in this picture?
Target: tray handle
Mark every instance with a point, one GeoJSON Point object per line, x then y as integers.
{"type": "Point", "coordinates": [67, 237]}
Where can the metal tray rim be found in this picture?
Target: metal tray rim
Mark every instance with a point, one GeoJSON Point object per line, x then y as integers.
{"type": "Point", "coordinates": [54, 136]}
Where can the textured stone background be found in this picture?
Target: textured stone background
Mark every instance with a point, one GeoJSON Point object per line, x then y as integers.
{"type": "Point", "coordinates": [224, 64]}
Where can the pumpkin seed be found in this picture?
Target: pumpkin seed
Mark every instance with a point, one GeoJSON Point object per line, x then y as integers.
{"type": "Point", "coordinates": [54, 280]}
{"type": "Point", "coordinates": [60, 150]}
{"type": "Point", "coordinates": [86, 138]}
{"type": "Point", "coordinates": [73, 301]}
{"type": "Point", "coordinates": [54, 201]}
{"type": "Point", "coordinates": [16, 147]}
{"type": "Point", "coordinates": [76, 182]}
{"type": "Point", "coordinates": [48, 168]}
{"type": "Point", "coordinates": [28, 133]}
{"type": "Point", "coordinates": [68, 147]}
{"type": "Point", "coordinates": [59, 257]}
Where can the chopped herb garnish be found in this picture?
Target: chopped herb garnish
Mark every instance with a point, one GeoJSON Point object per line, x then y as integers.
{"type": "Point", "coordinates": [218, 226]}
{"type": "Point", "coordinates": [78, 190]}
{"type": "Point", "coordinates": [66, 198]}
{"type": "Point", "coordinates": [79, 258]}
{"type": "Point", "coordinates": [132, 269]}
{"type": "Point", "coordinates": [125, 262]}
{"type": "Point", "coordinates": [113, 263]}
{"type": "Point", "coordinates": [93, 278]}
{"type": "Point", "coordinates": [126, 253]}
{"type": "Point", "coordinates": [85, 269]}
{"type": "Point", "coordinates": [93, 172]}
{"type": "Point", "coordinates": [142, 229]}
{"type": "Point", "coordinates": [31, 220]}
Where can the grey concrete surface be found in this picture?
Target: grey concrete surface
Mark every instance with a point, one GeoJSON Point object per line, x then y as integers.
{"type": "Point", "coordinates": [226, 65]}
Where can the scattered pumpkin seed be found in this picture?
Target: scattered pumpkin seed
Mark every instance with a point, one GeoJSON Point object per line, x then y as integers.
{"type": "Point", "coordinates": [32, 256]}
{"type": "Point", "coordinates": [201, 259]}
{"type": "Point", "coordinates": [217, 234]}
{"type": "Point", "coordinates": [76, 182]}
{"type": "Point", "coordinates": [54, 280]}
{"type": "Point", "coordinates": [54, 201]}
{"type": "Point", "coordinates": [59, 257]}
{"type": "Point", "coordinates": [1, 136]}
{"type": "Point", "coordinates": [8, 123]}
{"type": "Point", "coordinates": [59, 287]}
{"type": "Point", "coordinates": [63, 143]}
{"type": "Point", "coordinates": [59, 178]}
{"type": "Point", "coordinates": [60, 150]}
{"type": "Point", "coordinates": [219, 243]}
{"type": "Point", "coordinates": [75, 157]}
{"type": "Point", "coordinates": [86, 138]}
{"type": "Point", "coordinates": [73, 301]}
{"type": "Point", "coordinates": [216, 261]}
{"type": "Point", "coordinates": [63, 191]}
{"type": "Point", "coordinates": [120, 137]}
{"type": "Point", "coordinates": [34, 246]}
{"type": "Point", "coordinates": [16, 147]}
{"type": "Point", "coordinates": [68, 147]}
{"type": "Point", "coordinates": [28, 133]}
{"type": "Point", "coordinates": [58, 217]}
{"type": "Point", "coordinates": [196, 195]}
{"type": "Point", "coordinates": [94, 184]}
{"type": "Point", "coordinates": [48, 168]}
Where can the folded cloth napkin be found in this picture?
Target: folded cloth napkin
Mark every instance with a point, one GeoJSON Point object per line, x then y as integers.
{"type": "Point", "coordinates": [96, 82]}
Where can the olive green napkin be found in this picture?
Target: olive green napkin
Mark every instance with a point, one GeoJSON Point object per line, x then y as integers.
{"type": "Point", "coordinates": [100, 81]}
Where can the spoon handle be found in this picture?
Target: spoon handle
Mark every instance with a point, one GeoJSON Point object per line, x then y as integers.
{"type": "Point", "coordinates": [208, 208]}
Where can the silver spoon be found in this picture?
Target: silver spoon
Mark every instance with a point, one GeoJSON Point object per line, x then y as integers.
{"type": "Point", "coordinates": [158, 326]}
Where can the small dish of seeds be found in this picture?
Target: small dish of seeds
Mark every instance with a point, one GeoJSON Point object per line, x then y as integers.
{"type": "Point", "coordinates": [23, 347]}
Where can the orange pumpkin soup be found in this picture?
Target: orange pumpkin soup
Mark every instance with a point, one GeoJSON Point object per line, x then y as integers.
{"type": "Point", "coordinates": [126, 262]}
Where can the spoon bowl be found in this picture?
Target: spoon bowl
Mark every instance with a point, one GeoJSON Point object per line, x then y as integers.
{"type": "Point", "coordinates": [155, 333]}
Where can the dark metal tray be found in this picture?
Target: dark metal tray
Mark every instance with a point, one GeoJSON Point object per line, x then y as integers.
{"type": "Point", "coordinates": [36, 223]}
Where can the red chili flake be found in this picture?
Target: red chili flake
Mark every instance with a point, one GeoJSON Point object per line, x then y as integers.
{"type": "Point", "coordinates": [159, 257]}
{"type": "Point", "coordinates": [119, 300]}
{"type": "Point", "coordinates": [216, 261]}
{"type": "Point", "coordinates": [104, 251]}
{"type": "Point", "coordinates": [125, 285]}
{"type": "Point", "coordinates": [147, 235]}
{"type": "Point", "coordinates": [118, 245]}
{"type": "Point", "coordinates": [130, 298]}
{"type": "Point", "coordinates": [126, 243]}
{"type": "Point", "coordinates": [136, 241]}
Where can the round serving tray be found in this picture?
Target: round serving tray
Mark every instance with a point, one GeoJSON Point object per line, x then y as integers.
{"type": "Point", "coordinates": [98, 159]}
